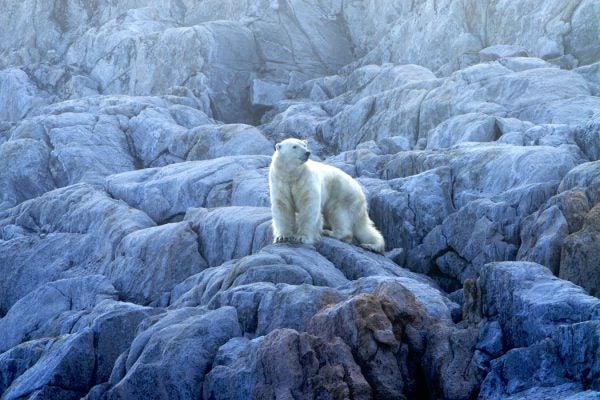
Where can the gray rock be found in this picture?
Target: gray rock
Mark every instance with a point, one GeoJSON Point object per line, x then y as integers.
{"type": "Point", "coordinates": [229, 233]}
{"type": "Point", "coordinates": [61, 234]}
{"type": "Point", "coordinates": [24, 163]}
{"type": "Point", "coordinates": [267, 94]}
{"type": "Point", "coordinates": [436, 37]}
{"type": "Point", "coordinates": [149, 262]}
{"type": "Point", "coordinates": [275, 264]}
{"type": "Point", "coordinates": [471, 127]}
{"type": "Point", "coordinates": [166, 193]}
{"type": "Point", "coordinates": [510, 288]}
{"type": "Point", "coordinates": [482, 231]}
{"type": "Point", "coordinates": [411, 207]}
{"type": "Point", "coordinates": [115, 325]}
{"type": "Point", "coordinates": [495, 52]}
{"type": "Point", "coordinates": [584, 176]}
{"type": "Point", "coordinates": [159, 362]}
{"type": "Point", "coordinates": [16, 361]}
{"type": "Point", "coordinates": [355, 262]}
{"type": "Point", "coordinates": [234, 372]}
{"type": "Point", "coordinates": [302, 366]}
{"type": "Point", "coordinates": [42, 312]}
{"type": "Point", "coordinates": [151, 102]}
{"type": "Point", "coordinates": [265, 307]}
{"type": "Point", "coordinates": [19, 95]}
{"type": "Point", "coordinates": [65, 369]}
{"type": "Point", "coordinates": [520, 370]}
{"type": "Point", "coordinates": [228, 140]}
{"type": "Point", "coordinates": [592, 74]}
{"type": "Point", "coordinates": [544, 231]}
{"type": "Point", "coordinates": [586, 137]}
{"type": "Point", "coordinates": [578, 345]}
{"type": "Point", "coordinates": [580, 254]}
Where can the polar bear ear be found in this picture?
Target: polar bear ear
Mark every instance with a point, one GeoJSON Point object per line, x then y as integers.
{"type": "Point", "coordinates": [305, 142]}
{"type": "Point", "coordinates": [277, 146]}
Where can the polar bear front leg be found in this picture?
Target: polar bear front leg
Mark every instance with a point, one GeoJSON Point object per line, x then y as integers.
{"type": "Point", "coordinates": [309, 220]}
{"type": "Point", "coordinates": [284, 221]}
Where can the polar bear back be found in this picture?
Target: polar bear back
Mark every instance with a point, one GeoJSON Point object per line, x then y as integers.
{"type": "Point", "coordinates": [338, 189]}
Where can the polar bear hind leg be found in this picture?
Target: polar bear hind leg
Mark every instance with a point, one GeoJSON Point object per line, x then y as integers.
{"type": "Point", "coordinates": [340, 224]}
{"type": "Point", "coordinates": [367, 235]}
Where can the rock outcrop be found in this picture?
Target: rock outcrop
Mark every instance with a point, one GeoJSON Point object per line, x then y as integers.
{"type": "Point", "coordinates": [136, 255]}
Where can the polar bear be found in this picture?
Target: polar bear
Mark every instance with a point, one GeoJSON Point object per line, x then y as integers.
{"type": "Point", "coordinates": [307, 195]}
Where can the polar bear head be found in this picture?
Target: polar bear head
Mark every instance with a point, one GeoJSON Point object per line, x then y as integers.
{"type": "Point", "coordinates": [292, 152]}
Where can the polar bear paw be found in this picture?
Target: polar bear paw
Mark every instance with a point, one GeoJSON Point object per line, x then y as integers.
{"type": "Point", "coordinates": [374, 248]}
{"type": "Point", "coordinates": [284, 239]}
{"type": "Point", "coordinates": [303, 239]}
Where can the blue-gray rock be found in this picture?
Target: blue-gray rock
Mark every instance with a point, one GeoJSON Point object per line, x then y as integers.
{"type": "Point", "coordinates": [298, 365]}
{"type": "Point", "coordinates": [234, 373]}
{"type": "Point", "coordinates": [46, 311]}
{"type": "Point", "coordinates": [170, 357]}
{"type": "Point", "coordinates": [580, 254]}
{"type": "Point", "coordinates": [65, 369]}
{"type": "Point", "coordinates": [64, 233]}
{"type": "Point", "coordinates": [229, 233]}
{"type": "Point", "coordinates": [149, 262]}
{"type": "Point", "coordinates": [530, 303]}
{"type": "Point", "coordinates": [166, 193]}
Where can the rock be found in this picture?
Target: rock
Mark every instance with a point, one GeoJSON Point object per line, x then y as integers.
{"type": "Point", "coordinates": [19, 95]}
{"type": "Point", "coordinates": [463, 128]}
{"type": "Point", "coordinates": [65, 369]}
{"type": "Point", "coordinates": [279, 263]}
{"type": "Point", "coordinates": [115, 325]}
{"type": "Point", "coordinates": [425, 25]}
{"type": "Point", "coordinates": [580, 254]}
{"type": "Point", "coordinates": [544, 231]}
{"type": "Point", "coordinates": [17, 360]}
{"type": "Point", "coordinates": [158, 361]}
{"type": "Point", "coordinates": [509, 288]}
{"type": "Point", "coordinates": [303, 366]}
{"type": "Point", "coordinates": [585, 138]}
{"type": "Point", "coordinates": [412, 206]}
{"type": "Point", "coordinates": [520, 370]}
{"type": "Point", "coordinates": [228, 140]}
{"type": "Point", "coordinates": [26, 174]}
{"type": "Point", "coordinates": [265, 307]}
{"type": "Point", "coordinates": [228, 233]}
{"type": "Point", "coordinates": [578, 345]}
{"type": "Point", "coordinates": [149, 262]}
{"type": "Point", "coordinates": [234, 372]}
{"type": "Point", "coordinates": [61, 234]}
{"type": "Point", "coordinates": [592, 74]}
{"type": "Point", "coordinates": [135, 141]}
{"type": "Point", "coordinates": [45, 312]}
{"type": "Point", "coordinates": [355, 262]}
{"type": "Point", "coordinates": [471, 237]}
{"type": "Point", "coordinates": [166, 193]}
{"type": "Point", "coordinates": [495, 52]}
{"type": "Point", "coordinates": [373, 340]}
{"type": "Point", "coordinates": [584, 176]}
{"type": "Point", "coordinates": [266, 94]}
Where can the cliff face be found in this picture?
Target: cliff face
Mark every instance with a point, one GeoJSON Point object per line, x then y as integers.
{"type": "Point", "coordinates": [135, 240]}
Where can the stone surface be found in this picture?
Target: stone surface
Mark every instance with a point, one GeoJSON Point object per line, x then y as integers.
{"type": "Point", "coordinates": [169, 342]}
{"type": "Point", "coordinates": [580, 254]}
{"type": "Point", "coordinates": [136, 255]}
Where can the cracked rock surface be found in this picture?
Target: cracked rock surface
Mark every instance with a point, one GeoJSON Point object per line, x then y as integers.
{"type": "Point", "coordinates": [136, 254]}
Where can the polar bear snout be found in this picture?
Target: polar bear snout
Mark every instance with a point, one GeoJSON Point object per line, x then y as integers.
{"type": "Point", "coordinates": [306, 155]}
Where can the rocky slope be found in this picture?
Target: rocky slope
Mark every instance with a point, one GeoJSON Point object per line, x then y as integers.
{"type": "Point", "coordinates": [135, 241]}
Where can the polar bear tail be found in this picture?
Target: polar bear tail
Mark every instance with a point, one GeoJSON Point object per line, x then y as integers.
{"type": "Point", "coordinates": [367, 235]}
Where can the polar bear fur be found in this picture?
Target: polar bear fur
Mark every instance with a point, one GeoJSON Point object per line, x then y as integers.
{"type": "Point", "coordinates": [305, 195]}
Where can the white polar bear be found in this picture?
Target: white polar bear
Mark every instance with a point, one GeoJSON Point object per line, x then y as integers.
{"type": "Point", "coordinates": [305, 195]}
